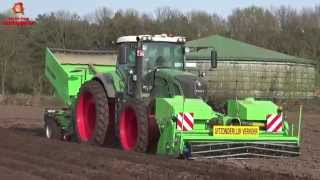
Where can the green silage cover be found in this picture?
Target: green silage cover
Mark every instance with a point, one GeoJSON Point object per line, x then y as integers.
{"type": "Point", "coordinates": [233, 50]}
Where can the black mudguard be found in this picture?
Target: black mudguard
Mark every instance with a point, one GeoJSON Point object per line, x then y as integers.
{"type": "Point", "coordinates": [107, 81]}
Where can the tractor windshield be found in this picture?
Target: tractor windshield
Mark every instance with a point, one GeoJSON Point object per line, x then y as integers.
{"type": "Point", "coordinates": [163, 55]}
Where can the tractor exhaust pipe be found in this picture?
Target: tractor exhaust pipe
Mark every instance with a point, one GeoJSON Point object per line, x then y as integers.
{"type": "Point", "coordinates": [139, 70]}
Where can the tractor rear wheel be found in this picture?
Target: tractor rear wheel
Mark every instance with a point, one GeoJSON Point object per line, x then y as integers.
{"type": "Point", "coordinates": [138, 130]}
{"type": "Point", "coordinates": [93, 123]}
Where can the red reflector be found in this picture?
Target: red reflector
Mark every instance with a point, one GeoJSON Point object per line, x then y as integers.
{"type": "Point", "coordinates": [185, 121]}
{"type": "Point", "coordinates": [274, 122]}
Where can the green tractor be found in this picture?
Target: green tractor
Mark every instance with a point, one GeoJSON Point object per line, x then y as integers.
{"type": "Point", "coordinates": [142, 98]}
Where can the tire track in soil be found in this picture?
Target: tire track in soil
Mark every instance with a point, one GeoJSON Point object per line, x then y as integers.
{"type": "Point", "coordinates": [60, 160]}
{"type": "Point", "coordinates": [7, 173]}
{"type": "Point", "coordinates": [173, 167]}
{"type": "Point", "coordinates": [298, 168]}
{"type": "Point", "coordinates": [47, 168]}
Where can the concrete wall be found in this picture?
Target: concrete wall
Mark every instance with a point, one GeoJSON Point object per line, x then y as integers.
{"type": "Point", "coordinates": [260, 79]}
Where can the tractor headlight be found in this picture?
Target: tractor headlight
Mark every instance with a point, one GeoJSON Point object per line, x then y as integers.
{"type": "Point", "coordinates": [181, 39]}
{"type": "Point", "coordinates": [146, 38]}
{"type": "Point", "coordinates": [199, 89]}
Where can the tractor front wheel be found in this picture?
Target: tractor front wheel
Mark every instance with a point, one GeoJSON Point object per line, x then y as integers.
{"type": "Point", "coordinates": [136, 127]}
{"type": "Point", "coordinates": [93, 123]}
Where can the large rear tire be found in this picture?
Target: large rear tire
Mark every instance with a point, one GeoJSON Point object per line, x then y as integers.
{"type": "Point", "coordinates": [93, 123]}
{"type": "Point", "coordinates": [138, 130]}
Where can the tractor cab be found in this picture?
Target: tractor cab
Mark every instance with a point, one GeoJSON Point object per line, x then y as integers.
{"type": "Point", "coordinates": [159, 51]}
{"type": "Point", "coordinates": [154, 65]}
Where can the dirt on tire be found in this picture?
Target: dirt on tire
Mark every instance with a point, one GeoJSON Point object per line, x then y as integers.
{"type": "Point", "coordinates": [26, 154]}
{"type": "Point", "coordinates": [103, 123]}
{"type": "Point", "coordinates": [139, 110]}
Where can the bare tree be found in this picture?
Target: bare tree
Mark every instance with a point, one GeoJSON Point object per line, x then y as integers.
{"type": "Point", "coordinates": [255, 25]}
{"type": "Point", "coordinates": [7, 52]}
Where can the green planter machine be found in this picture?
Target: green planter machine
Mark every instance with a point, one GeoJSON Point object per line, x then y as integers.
{"type": "Point", "coordinates": [142, 98]}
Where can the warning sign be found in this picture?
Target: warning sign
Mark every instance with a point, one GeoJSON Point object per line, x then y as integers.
{"type": "Point", "coordinates": [236, 131]}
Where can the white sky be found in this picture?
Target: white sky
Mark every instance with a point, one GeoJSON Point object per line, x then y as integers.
{"type": "Point", "coordinates": [83, 7]}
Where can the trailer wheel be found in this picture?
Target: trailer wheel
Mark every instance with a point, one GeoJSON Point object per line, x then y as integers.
{"type": "Point", "coordinates": [137, 127]}
{"type": "Point", "coordinates": [52, 130]}
{"type": "Point", "coordinates": [93, 123]}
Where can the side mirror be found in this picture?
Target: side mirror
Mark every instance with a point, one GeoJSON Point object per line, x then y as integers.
{"type": "Point", "coordinates": [214, 59]}
{"type": "Point", "coordinates": [123, 54]}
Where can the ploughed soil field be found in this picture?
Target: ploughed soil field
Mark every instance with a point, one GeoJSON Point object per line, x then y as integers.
{"type": "Point", "coordinates": [26, 154]}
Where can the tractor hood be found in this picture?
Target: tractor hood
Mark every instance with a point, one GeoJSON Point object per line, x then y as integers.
{"type": "Point", "coordinates": [191, 86]}
{"type": "Point", "coordinates": [166, 108]}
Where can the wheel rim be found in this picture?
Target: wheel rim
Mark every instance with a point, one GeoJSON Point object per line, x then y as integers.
{"type": "Point", "coordinates": [128, 127]}
{"type": "Point", "coordinates": [86, 116]}
{"type": "Point", "coordinates": [48, 132]}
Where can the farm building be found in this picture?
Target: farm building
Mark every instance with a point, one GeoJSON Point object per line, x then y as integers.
{"type": "Point", "coordinates": [247, 70]}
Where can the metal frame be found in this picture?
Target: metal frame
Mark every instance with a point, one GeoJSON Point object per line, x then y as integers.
{"type": "Point", "coordinates": [245, 149]}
